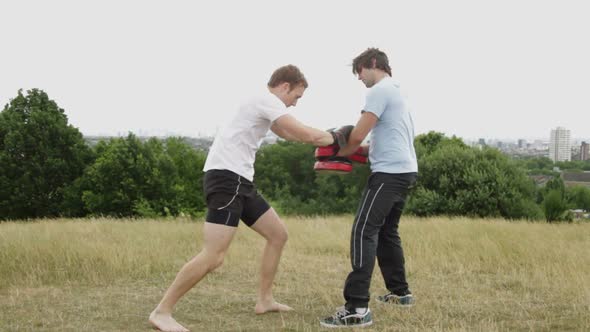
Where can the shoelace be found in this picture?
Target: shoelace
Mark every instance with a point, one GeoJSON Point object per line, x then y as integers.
{"type": "Point", "coordinates": [341, 313]}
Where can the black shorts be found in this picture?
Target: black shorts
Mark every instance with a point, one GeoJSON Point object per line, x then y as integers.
{"type": "Point", "coordinates": [230, 197]}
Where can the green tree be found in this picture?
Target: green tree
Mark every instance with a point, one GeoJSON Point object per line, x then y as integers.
{"type": "Point", "coordinates": [578, 197]}
{"type": "Point", "coordinates": [574, 165]}
{"type": "Point", "coordinates": [537, 165]}
{"type": "Point", "coordinates": [556, 184]}
{"type": "Point", "coordinates": [40, 156]}
{"type": "Point", "coordinates": [554, 205]}
{"type": "Point", "coordinates": [150, 179]}
{"type": "Point", "coordinates": [186, 196]}
{"type": "Point", "coordinates": [285, 166]}
{"type": "Point", "coordinates": [455, 179]}
{"type": "Point", "coordinates": [427, 143]}
{"type": "Point", "coordinates": [112, 185]}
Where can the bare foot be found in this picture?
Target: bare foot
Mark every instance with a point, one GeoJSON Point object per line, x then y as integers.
{"type": "Point", "coordinates": [165, 322]}
{"type": "Point", "coordinates": [262, 308]}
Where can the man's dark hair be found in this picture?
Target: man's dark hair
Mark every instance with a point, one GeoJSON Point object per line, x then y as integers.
{"type": "Point", "coordinates": [287, 74]}
{"type": "Point", "coordinates": [368, 58]}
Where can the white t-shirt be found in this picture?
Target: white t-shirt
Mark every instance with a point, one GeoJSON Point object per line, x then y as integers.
{"type": "Point", "coordinates": [235, 146]}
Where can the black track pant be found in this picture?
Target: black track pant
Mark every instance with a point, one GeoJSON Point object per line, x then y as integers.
{"type": "Point", "coordinates": [375, 234]}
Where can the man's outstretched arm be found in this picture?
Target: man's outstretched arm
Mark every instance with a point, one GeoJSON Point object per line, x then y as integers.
{"type": "Point", "coordinates": [358, 134]}
{"type": "Point", "coordinates": [289, 128]}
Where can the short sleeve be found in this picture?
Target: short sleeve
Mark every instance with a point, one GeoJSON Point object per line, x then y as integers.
{"type": "Point", "coordinates": [271, 108]}
{"type": "Point", "coordinates": [376, 101]}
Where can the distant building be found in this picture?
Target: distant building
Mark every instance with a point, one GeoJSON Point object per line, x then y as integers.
{"type": "Point", "coordinates": [560, 148]}
{"type": "Point", "coordinates": [541, 180]}
{"type": "Point", "coordinates": [538, 144]}
{"type": "Point", "coordinates": [579, 214]}
{"type": "Point", "coordinates": [522, 144]}
{"type": "Point", "coordinates": [482, 142]}
{"type": "Point", "coordinates": [571, 179]}
{"type": "Point", "coordinates": [585, 151]}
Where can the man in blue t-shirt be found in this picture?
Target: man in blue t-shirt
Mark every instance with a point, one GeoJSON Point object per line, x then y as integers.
{"type": "Point", "coordinates": [394, 170]}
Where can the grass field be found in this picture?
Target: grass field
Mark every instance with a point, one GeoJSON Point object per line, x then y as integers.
{"type": "Point", "coordinates": [466, 275]}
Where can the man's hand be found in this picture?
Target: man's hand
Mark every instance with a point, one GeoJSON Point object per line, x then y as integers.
{"type": "Point", "coordinates": [341, 135]}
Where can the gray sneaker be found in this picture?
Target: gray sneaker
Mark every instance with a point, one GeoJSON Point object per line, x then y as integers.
{"type": "Point", "coordinates": [345, 318]}
{"type": "Point", "coordinates": [402, 301]}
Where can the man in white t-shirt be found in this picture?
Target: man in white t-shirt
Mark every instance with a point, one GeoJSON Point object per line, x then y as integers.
{"type": "Point", "coordinates": [231, 195]}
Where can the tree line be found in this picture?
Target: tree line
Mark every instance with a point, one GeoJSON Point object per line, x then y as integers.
{"type": "Point", "coordinates": [47, 170]}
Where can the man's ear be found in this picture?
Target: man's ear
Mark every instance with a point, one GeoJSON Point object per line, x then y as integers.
{"type": "Point", "coordinates": [286, 86]}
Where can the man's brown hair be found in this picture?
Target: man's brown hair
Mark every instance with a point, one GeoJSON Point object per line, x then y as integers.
{"type": "Point", "coordinates": [287, 74]}
{"type": "Point", "coordinates": [368, 57]}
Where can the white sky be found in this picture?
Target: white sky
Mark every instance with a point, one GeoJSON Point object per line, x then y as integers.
{"type": "Point", "coordinates": [493, 69]}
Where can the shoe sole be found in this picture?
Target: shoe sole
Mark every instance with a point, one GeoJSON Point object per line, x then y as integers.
{"type": "Point", "coordinates": [396, 304]}
{"type": "Point", "coordinates": [345, 326]}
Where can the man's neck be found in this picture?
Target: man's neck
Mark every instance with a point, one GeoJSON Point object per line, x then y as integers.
{"type": "Point", "coordinates": [276, 91]}
{"type": "Point", "coordinates": [381, 75]}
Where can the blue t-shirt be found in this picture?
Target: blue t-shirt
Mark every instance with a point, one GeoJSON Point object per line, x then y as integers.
{"type": "Point", "coordinates": [391, 148]}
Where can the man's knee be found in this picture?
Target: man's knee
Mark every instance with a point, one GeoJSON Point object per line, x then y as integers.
{"type": "Point", "coordinates": [278, 239]}
{"type": "Point", "coordinates": [283, 236]}
{"type": "Point", "coordinates": [214, 260]}
{"type": "Point", "coordinates": [274, 231]}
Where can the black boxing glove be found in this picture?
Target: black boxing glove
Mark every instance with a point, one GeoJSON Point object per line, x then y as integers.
{"type": "Point", "coordinates": [341, 135]}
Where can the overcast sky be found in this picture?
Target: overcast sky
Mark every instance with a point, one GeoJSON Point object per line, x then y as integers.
{"type": "Point", "coordinates": [493, 69]}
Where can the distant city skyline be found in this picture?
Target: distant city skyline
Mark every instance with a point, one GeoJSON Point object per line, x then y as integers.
{"type": "Point", "coordinates": [167, 133]}
{"type": "Point", "coordinates": [501, 69]}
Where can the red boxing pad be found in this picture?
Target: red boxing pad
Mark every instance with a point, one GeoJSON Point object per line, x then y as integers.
{"type": "Point", "coordinates": [358, 158]}
{"type": "Point", "coordinates": [332, 167]}
{"type": "Point", "coordinates": [323, 152]}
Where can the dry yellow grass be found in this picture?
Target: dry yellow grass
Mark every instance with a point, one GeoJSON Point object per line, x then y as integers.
{"type": "Point", "coordinates": [467, 275]}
